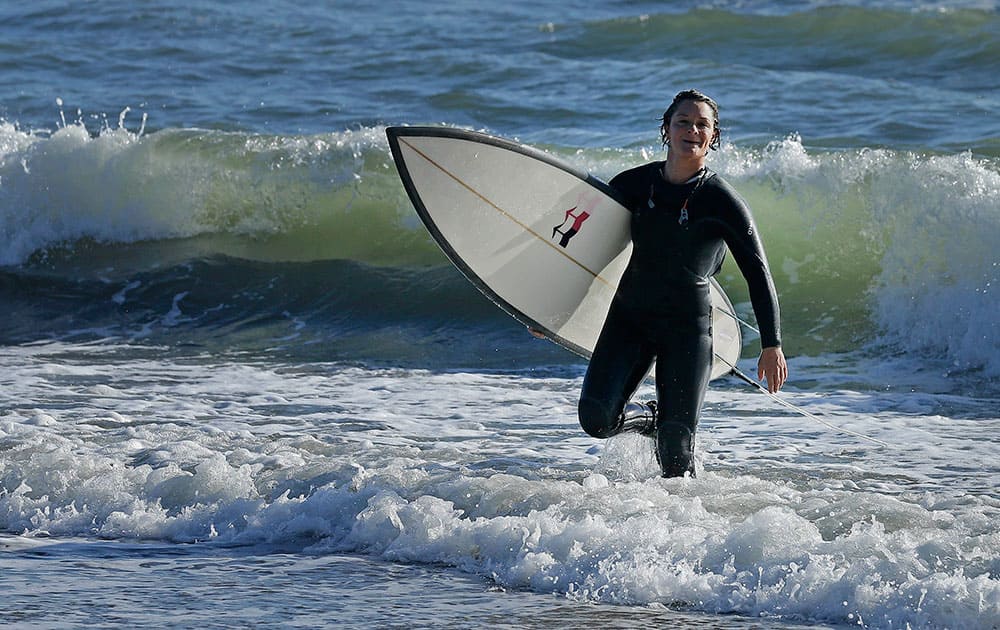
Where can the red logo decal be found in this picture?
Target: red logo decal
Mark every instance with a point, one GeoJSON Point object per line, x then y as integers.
{"type": "Point", "coordinates": [575, 221]}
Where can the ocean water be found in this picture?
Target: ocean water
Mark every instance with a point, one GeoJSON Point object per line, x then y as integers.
{"type": "Point", "coordinates": [241, 387]}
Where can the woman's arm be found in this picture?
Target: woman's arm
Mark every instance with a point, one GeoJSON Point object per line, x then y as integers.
{"type": "Point", "coordinates": [744, 242]}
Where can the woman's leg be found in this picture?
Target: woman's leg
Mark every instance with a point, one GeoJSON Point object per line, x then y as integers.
{"type": "Point", "coordinates": [683, 370]}
{"type": "Point", "coordinates": [620, 361]}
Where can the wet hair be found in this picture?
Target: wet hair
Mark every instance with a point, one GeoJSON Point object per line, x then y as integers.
{"type": "Point", "coordinates": [698, 97]}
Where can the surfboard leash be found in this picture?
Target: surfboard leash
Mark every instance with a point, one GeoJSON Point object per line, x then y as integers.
{"type": "Point", "coordinates": [735, 371]}
{"type": "Point", "coordinates": [781, 401]}
{"type": "Point", "coordinates": [738, 319]}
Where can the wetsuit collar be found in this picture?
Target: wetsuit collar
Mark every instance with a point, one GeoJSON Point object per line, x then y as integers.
{"type": "Point", "coordinates": [697, 177]}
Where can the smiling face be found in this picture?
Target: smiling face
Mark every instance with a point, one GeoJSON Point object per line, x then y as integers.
{"type": "Point", "coordinates": [691, 130]}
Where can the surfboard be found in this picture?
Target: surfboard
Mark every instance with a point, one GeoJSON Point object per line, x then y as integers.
{"type": "Point", "coordinates": [544, 241]}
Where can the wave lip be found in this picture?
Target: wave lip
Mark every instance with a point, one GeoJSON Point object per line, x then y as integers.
{"type": "Point", "coordinates": [260, 197]}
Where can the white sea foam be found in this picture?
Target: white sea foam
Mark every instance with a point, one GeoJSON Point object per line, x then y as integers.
{"type": "Point", "coordinates": [491, 475]}
{"type": "Point", "coordinates": [119, 186]}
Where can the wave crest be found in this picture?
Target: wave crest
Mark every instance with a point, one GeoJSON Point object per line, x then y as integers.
{"type": "Point", "coordinates": [262, 197]}
{"type": "Point", "coordinates": [867, 246]}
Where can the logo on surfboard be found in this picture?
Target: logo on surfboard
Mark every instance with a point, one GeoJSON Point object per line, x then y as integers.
{"type": "Point", "coordinates": [574, 219]}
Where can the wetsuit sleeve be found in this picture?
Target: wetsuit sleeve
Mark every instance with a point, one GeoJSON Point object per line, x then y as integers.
{"type": "Point", "coordinates": [632, 186]}
{"type": "Point", "coordinates": [740, 234]}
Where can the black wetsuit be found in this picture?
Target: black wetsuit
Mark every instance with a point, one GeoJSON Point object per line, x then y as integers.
{"type": "Point", "coordinates": [662, 309]}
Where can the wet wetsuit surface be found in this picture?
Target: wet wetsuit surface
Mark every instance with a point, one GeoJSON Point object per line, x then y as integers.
{"type": "Point", "coordinates": [662, 309]}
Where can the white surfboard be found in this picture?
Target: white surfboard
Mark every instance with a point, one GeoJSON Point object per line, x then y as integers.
{"type": "Point", "coordinates": [545, 242]}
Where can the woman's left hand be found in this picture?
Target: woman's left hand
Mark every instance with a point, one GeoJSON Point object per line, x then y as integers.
{"type": "Point", "coordinates": [772, 366]}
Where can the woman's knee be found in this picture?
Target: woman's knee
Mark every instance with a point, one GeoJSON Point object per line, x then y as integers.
{"type": "Point", "coordinates": [597, 418]}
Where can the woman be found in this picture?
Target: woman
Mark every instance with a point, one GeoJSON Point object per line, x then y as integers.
{"type": "Point", "coordinates": [684, 217]}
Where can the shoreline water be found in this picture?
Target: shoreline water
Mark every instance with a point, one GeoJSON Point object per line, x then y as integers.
{"type": "Point", "coordinates": [122, 590]}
